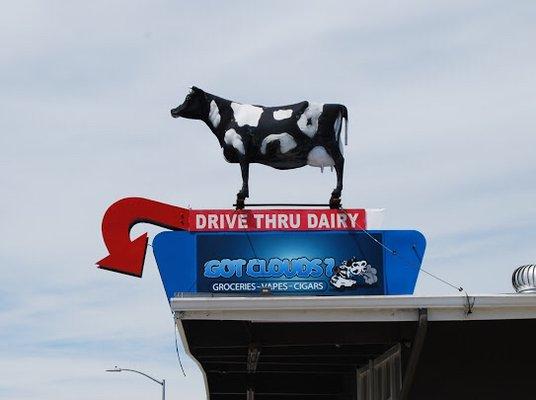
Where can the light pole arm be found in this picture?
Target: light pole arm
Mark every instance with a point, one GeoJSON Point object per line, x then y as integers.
{"type": "Point", "coordinates": [147, 376]}
{"type": "Point", "coordinates": [163, 383]}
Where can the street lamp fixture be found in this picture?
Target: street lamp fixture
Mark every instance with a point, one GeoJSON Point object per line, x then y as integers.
{"type": "Point", "coordinates": [161, 383]}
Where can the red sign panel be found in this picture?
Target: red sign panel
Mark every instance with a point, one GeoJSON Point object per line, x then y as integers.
{"type": "Point", "coordinates": [276, 220]}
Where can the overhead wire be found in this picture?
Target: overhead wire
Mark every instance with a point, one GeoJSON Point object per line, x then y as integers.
{"type": "Point", "coordinates": [394, 252]}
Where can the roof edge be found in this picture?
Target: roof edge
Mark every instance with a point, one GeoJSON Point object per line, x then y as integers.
{"type": "Point", "coordinates": [356, 308]}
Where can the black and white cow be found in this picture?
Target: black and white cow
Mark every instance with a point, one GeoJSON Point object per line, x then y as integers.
{"type": "Point", "coordinates": [283, 137]}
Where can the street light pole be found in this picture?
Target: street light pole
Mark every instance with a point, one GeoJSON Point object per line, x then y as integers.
{"type": "Point", "coordinates": [161, 383]}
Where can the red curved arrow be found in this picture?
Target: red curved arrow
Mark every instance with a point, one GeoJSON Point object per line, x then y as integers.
{"type": "Point", "coordinates": [128, 256]}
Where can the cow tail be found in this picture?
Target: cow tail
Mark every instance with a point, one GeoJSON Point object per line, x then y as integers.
{"type": "Point", "coordinates": [344, 112]}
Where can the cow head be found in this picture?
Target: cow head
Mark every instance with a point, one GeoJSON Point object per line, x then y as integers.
{"type": "Point", "coordinates": [358, 267]}
{"type": "Point", "coordinates": [193, 107]}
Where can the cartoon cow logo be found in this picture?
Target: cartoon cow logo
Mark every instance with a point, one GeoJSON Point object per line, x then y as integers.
{"type": "Point", "coordinates": [344, 276]}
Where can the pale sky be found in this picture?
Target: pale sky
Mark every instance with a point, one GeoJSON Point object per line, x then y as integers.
{"type": "Point", "coordinates": [442, 106]}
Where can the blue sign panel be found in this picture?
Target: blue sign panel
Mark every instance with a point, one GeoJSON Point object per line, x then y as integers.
{"type": "Point", "coordinates": [290, 263]}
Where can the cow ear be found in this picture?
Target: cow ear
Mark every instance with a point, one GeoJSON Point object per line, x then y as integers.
{"type": "Point", "coordinates": [196, 89]}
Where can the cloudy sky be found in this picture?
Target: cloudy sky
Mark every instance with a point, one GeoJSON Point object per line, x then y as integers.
{"type": "Point", "coordinates": [442, 103]}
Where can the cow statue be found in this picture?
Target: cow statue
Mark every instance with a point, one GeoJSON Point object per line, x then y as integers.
{"type": "Point", "coordinates": [283, 137]}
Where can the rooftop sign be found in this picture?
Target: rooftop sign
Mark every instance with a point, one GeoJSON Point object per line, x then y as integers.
{"type": "Point", "coordinates": [277, 251]}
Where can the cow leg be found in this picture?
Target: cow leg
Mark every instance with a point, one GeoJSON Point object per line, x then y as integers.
{"type": "Point", "coordinates": [339, 169]}
{"type": "Point", "coordinates": [244, 192]}
{"type": "Point", "coordinates": [335, 201]}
